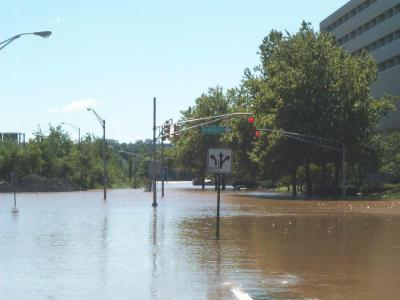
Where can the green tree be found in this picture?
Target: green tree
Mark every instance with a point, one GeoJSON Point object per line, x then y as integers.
{"type": "Point", "coordinates": [241, 138]}
{"type": "Point", "coordinates": [191, 147]}
{"type": "Point", "coordinates": [307, 84]}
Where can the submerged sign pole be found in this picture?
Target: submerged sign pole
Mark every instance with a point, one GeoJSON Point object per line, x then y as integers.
{"type": "Point", "coordinates": [14, 183]}
{"type": "Point", "coordinates": [219, 161]}
{"type": "Point", "coordinates": [218, 202]}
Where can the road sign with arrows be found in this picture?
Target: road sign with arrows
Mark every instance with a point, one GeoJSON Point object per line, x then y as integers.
{"type": "Point", "coordinates": [219, 161]}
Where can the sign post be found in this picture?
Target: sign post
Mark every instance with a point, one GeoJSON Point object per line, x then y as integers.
{"type": "Point", "coordinates": [218, 201]}
{"type": "Point", "coordinates": [219, 161]}
{"type": "Point", "coordinates": [13, 176]}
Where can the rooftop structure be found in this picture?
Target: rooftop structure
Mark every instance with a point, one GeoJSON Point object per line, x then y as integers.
{"type": "Point", "coordinates": [17, 137]}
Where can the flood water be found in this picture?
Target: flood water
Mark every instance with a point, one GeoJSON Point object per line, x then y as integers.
{"type": "Point", "coordinates": [77, 246]}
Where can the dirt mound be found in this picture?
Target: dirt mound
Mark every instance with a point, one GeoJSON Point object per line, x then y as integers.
{"type": "Point", "coordinates": [62, 185]}
{"type": "Point", "coordinates": [36, 183]}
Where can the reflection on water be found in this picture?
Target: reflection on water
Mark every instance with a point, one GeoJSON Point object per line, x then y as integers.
{"type": "Point", "coordinates": [76, 246]}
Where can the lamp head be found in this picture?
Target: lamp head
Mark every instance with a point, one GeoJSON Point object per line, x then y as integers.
{"type": "Point", "coordinates": [43, 34]}
{"type": "Point", "coordinates": [89, 109]}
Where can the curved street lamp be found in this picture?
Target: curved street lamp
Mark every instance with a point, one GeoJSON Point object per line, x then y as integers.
{"type": "Point", "coordinates": [103, 125]}
{"type": "Point", "coordinates": [78, 129]}
{"type": "Point", "coordinates": [43, 34]}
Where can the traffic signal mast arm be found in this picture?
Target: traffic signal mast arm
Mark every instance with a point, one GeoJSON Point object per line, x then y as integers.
{"type": "Point", "coordinates": [225, 116]}
{"type": "Point", "coordinates": [208, 120]}
{"type": "Point", "coordinates": [303, 138]}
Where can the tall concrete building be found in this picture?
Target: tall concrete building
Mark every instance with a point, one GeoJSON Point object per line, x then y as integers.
{"type": "Point", "coordinates": [373, 25]}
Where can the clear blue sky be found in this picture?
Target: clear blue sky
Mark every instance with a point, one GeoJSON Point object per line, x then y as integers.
{"type": "Point", "coordinates": [117, 55]}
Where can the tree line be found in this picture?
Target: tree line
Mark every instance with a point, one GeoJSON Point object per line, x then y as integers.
{"type": "Point", "coordinates": [56, 155]}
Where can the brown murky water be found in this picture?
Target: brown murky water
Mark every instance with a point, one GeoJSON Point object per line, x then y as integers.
{"type": "Point", "coordinates": [76, 246]}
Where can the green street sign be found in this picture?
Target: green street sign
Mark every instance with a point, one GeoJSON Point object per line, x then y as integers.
{"type": "Point", "coordinates": [214, 129]}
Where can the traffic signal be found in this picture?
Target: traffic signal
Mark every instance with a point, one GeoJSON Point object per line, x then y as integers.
{"type": "Point", "coordinates": [166, 131]}
{"type": "Point", "coordinates": [254, 132]}
{"type": "Point", "coordinates": [174, 133]}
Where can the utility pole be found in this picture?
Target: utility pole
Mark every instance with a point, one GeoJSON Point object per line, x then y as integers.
{"type": "Point", "coordinates": [154, 166]}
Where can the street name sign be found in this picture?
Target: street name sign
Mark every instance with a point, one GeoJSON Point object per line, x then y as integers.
{"type": "Point", "coordinates": [219, 161]}
{"type": "Point", "coordinates": [215, 129]}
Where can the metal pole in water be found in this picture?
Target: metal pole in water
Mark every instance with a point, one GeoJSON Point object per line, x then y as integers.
{"type": "Point", "coordinates": [154, 155]}
{"type": "Point", "coordinates": [104, 162]}
{"type": "Point", "coordinates": [14, 179]}
{"type": "Point", "coordinates": [162, 167]}
{"type": "Point", "coordinates": [343, 170]}
{"type": "Point", "coordinates": [134, 172]}
{"type": "Point", "coordinates": [218, 201]}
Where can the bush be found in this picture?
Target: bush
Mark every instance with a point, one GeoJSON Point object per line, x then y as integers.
{"type": "Point", "coordinates": [372, 188]}
{"type": "Point", "coordinates": [352, 190]}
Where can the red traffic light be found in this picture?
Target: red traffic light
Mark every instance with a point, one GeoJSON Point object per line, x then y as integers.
{"type": "Point", "coordinates": [257, 133]}
{"type": "Point", "coordinates": [251, 120]}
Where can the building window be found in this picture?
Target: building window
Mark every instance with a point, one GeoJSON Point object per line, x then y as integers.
{"type": "Point", "coordinates": [381, 18]}
{"type": "Point", "coordinates": [349, 15]}
{"type": "Point", "coordinates": [389, 13]}
{"type": "Point", "coordinates": [381, 42]}
{"type": "Point", "coordinates": [373, 46]}
{"type": "Point", "coordinates": [390, 63]}
{"type": "Point", "coordinates": [389, 38]}
{"type": "Point", "coordinates": [375, 21]}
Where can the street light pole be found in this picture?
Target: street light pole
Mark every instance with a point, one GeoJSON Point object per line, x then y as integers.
{"type": "Point", "coordinates": [103, 125]}
{"type": "Point", "coordinates": [104, 160]}
{"type": "Point", "coordinates": [154, 167]}
{"type": "Point", "coordinates": [43, 34]}
{"type": "Point", "coordinates": [77, 129]}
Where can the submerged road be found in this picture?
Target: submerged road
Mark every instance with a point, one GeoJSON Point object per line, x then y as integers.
{"type": "Point", "coordinates": [78, 246]}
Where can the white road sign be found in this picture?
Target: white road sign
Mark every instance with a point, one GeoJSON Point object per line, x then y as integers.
{"type": "Point", "coordinates": [219, 161]}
